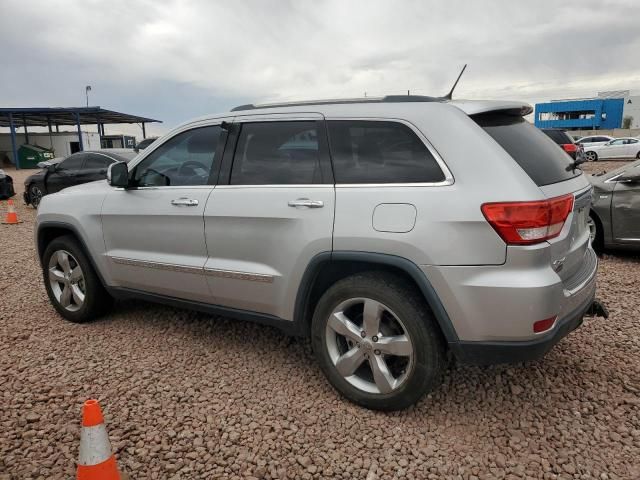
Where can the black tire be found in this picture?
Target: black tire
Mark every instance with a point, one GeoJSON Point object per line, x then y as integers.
{"type": "Point", "coordinates": [638, 155]}
{"type": "Point", "coordinates": [408, 305]}
{"type": "Point", "coordinates": [598, 241]}
{"type": "Point", "coordinates": [35, 195]}
{"type": "Point", "coordinates": [96, 299]}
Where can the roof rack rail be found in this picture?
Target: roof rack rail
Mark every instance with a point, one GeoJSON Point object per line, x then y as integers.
{"type": "Point", "coordinates": [385, 99]}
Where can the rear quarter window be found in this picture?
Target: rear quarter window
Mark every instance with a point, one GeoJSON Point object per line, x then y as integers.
{"type": "Point", "coordinates": [372, 151]}
{"type": "Point", "coordinates": [539, 157]}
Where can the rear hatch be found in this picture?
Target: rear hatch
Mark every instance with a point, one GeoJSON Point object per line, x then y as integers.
{"type": "Point", "coordinates": [552, 170]}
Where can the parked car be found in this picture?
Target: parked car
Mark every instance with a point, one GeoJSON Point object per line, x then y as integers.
{"type": "Point", "coordinates": [566, 142]}
{"type": "Point", "coordinates": [141, 145]}
{"type": "Point", "coordinates": [594, 140]}
{"type": "Point", "coordinates": [368, 225]}
{"type": "Point", "coordinates": [614, 219]}
{"type": "Point", "coordinates": [627, 147]}
{"type": "Point", "coordinates": [6, 186]}
{"type": "Point", "coordinates": [80, 167]}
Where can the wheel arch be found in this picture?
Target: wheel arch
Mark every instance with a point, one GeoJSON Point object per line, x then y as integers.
{"type": "Point", "coordinates": [50, 230]}
{"type": "Point", "coordinates": [327, 268]}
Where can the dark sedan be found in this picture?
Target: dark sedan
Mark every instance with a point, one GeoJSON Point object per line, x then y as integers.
{"type": "Point", "coordinates": [566, 142]}
{"type": "Point", "coordinates": [615, 214]}
{"type": "Point", "coordinates": [81, 167]}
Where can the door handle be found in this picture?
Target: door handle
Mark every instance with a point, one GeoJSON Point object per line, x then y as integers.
{"type": "Point", "coordinates": [305, 202]}
{"type": "Point", "coordinates": [184, 202]}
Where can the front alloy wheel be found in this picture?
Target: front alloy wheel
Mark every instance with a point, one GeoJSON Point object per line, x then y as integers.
{"type": "Point", "coordinates": [66, 280]}
{"type": "Point", "coordinates": [369, 346]}
{"type": "Point", "coordinates": [35, 195]}
{"type": "Point", "coordinates": [591, 156]}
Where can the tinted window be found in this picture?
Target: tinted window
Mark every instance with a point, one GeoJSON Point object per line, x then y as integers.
{"type": "Point", "coordinates": [600, 139]}
{"type": "Point", "coordinates": [97, 161]}
{"type": "Point", "coordinates": [543, 161]}
{"type": "Point", "coordinates": [73, 162]}
{"type": "Point", "coordinates": [617, 142]}
{"type": "Point", "coordinates": [380, 152]}
{"type": "Point", "coordinates": [276, 153]}
{"type": "Point", "coordinates": [559, 136]}
{"type": "Point", "coordinates": [186, 159]}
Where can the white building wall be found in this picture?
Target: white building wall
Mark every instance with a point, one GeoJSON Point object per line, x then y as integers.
{"type": "Point", "coordinates": [60, 143]}
{"type": "Point", "coordinates": [632, 109]}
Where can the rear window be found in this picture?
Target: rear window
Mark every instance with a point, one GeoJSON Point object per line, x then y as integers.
{"type": "Point", "coordinates": [559, 136]}
{"type": "Point", "coordinates": [543, 161]}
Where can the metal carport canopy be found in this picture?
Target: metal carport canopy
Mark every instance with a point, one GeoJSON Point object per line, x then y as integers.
{"type": "Point", "coordinates": [48, 116]}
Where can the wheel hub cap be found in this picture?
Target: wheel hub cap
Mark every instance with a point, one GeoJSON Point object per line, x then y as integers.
{"type": "Point", "coordinates": [66, 280]}
{"type": "Point", "coordinates": [369, 346]}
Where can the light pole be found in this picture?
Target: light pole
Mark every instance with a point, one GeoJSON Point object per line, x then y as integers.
{"type": "Point", "coordinates": [87, 89]}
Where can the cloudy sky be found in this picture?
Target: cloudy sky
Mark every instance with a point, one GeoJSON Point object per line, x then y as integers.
{"type": "Point", "coordinates": [173, 60]}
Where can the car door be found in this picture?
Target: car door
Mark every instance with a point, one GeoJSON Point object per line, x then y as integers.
{"type": "Point", "coordinates": [65, 173]}
{"type": "Point", "coordinates": [271, 212]}
{"type": "Point", "coordinates": [94, 167]}
{"type": "Point", "coordinates": [625, 208]}
{"type": "Point", "coordinates": [613, 149]}
{"type": "Point", "coordinates": [631, 147]}
{"type": "Point", "coordinates": [154, 231]}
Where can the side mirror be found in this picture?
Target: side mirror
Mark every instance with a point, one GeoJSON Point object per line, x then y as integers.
{"type": "Point", "coordinates": [51, 168]}
{"type": "Point", "coordinates": [118, 175]}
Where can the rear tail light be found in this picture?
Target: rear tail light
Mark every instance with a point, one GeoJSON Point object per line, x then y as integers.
{"type": "Point", "coordinates": [569, 147]}
{"type": "Point", "coordinates": [544, 325]}
{"type": "Point", "coordinates": [526, 223]}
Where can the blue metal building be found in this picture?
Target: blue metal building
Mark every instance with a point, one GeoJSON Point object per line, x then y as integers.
{"type": "Point", "coordinates": [592, 114]}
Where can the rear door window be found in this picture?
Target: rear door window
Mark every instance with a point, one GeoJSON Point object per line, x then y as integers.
{"type": "Point", "coordinates": [543, 161]}
{"type": "Point", "coordinates": [277, 153]}
{"type": "Point", "coordinates": [365, 151]}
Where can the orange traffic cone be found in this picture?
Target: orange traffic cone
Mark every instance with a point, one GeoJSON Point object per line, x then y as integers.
{"type": "Point", "coordinates": [12, 216]}
{"type": "Point", "coordinates": [96, 460]}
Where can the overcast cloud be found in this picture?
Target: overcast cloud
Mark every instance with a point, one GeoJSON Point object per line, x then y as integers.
{"type": "Point", "coordinates": [174, 60]}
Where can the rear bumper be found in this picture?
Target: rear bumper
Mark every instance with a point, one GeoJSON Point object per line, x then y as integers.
{"type": "Point", "coordinates": [493, 309]}
{"type": "Point", "coordinates": [490, 353]}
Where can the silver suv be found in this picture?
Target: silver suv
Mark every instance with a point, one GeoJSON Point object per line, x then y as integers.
{"type": "Point", "coordinates": [396, 232]}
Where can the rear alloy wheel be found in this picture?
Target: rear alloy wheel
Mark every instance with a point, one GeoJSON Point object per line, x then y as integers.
{"type": "Point", "coordinates": [591, 156]}
{"type": "Point", "coordinates": [368, 345]}
{"type": "Point", "coordinates": [377, 342]}
{"type": "Point", "coordinates": [35, 195]}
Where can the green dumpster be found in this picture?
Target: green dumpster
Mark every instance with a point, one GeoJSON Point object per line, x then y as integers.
{"type": "Point", "coordinates": [31, 155]}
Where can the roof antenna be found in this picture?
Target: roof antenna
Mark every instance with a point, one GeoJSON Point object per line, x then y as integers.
{"type": "Point", "coordinates": [449, 95]}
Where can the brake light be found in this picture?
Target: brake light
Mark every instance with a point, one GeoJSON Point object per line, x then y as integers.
{"type": "Point", "coordinates": [526, 223]}
{"type": "Point", "coordinates": [569, 147]}
{"type": "Point", "coordinates": [544, 325]}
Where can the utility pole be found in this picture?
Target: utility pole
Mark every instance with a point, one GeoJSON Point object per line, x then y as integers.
{"type": "Point", "coordinates": [87, 89]}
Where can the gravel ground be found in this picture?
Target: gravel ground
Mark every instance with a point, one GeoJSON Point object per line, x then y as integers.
{"type": "Point", "coordinates": [186, 395]}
